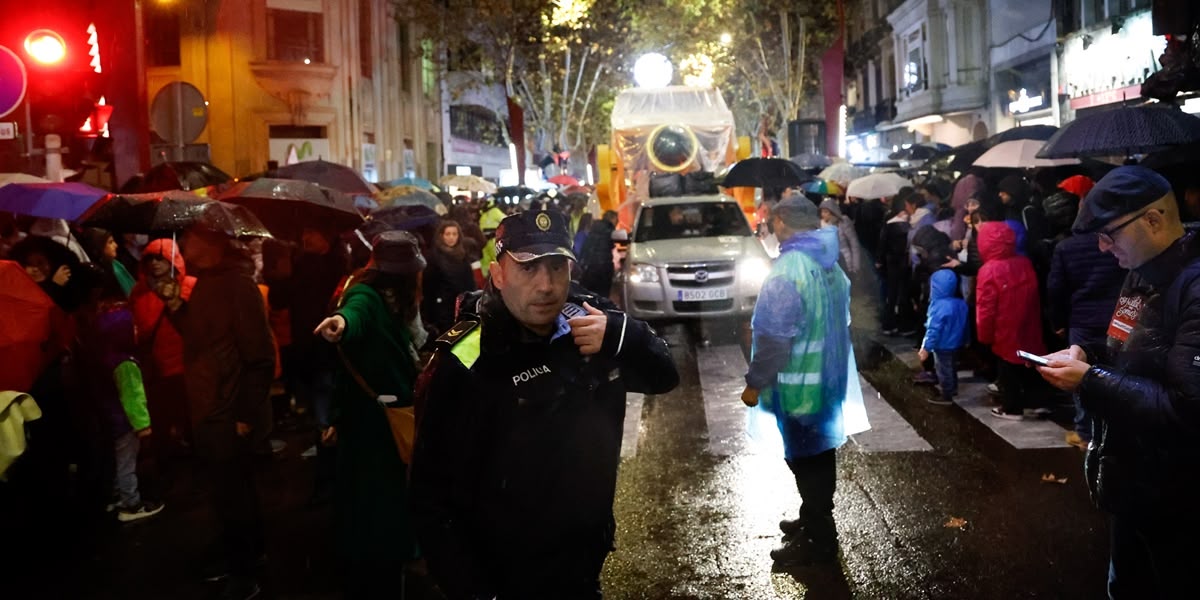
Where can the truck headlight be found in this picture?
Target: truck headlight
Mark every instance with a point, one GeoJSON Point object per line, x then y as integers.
{"type": "Point", "coordinates": [754, 271]}
{"type": "Point", "coordinates": [643, 274]}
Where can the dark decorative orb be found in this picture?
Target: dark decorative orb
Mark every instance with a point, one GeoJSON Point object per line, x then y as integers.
{"type": "Point", "coordinates": [673, 146]}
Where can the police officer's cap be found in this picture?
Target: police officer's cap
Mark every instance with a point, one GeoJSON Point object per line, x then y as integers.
{"type": "Point", "coordinates": [1122, 191]}
{"type": "Point", "coordinates": [534, 234]}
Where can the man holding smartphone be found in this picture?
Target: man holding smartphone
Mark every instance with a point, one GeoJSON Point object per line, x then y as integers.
{"type": "Point", "coordinates": [1143, 386]}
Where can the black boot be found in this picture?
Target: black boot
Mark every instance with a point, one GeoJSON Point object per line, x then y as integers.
{"type": "Point", "coordinates": [814, 543]}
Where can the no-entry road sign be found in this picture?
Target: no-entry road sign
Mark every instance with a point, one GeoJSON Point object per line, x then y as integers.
{"type": "Point", "coordinates": [13, 81]}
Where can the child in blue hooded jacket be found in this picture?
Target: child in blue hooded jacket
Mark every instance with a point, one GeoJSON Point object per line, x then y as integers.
{"type": "Point", "coordinates": [945, 331]}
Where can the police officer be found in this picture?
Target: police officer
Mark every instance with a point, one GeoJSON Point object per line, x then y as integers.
{"type": "Point", "coordinates": [519, 438]}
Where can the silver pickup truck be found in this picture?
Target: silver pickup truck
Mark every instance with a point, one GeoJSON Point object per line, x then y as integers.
{"type": "Point", "coordinates": [692, 256]}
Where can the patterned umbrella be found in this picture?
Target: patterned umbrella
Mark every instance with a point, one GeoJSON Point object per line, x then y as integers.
{"type": "Point", "coordinates": [286, 206]}
{"type": "Point", "coordinates": [842, 173]}
{"type": "Point", "coordinates": [165, 212]}
{"type": "Point", "coordinates": [822, 187]}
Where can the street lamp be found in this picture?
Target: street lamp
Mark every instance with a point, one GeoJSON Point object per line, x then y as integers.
{"type": "Point", "coordinates": [653, 70]}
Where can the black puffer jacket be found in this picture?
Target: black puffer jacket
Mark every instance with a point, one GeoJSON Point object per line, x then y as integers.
{"type": "Point", "coordinates": [1145, 392]}
{"type": "Point", "coordinates": [515, 464]}
{"type": "Point", "coordinates": [1083, 284]}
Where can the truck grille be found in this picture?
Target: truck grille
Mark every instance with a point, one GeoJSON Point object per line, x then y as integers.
{"type": "Point", "coordinates": [701, 275]}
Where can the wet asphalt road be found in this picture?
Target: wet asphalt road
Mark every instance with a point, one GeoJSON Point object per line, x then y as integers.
{"type": "Point", "coordinates": [692, 523]}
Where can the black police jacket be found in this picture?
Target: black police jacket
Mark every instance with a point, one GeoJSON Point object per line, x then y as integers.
{"type": "Point", "coordinates": [1145, 392]}
{"type": "Point", "coordinates": [519, 439]}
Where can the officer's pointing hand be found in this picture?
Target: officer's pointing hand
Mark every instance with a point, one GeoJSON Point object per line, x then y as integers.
{"type": "Point", "coordinates": [589, 331]}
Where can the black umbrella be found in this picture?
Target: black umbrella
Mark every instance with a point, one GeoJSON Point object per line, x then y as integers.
{"type": "Point", "coordinates": [330, 175]}
{"type": "Point", "coordinates": [184, 175]}
{"type": "Point", "coordinates": [407, 217]}
{"type": "Point", "coordinates": [286, 206]}
{"type": "Point", "coordinates": [1124, 131]}
{"type": "Point", "coordinates": [765, 173]}
{"type": "Point", "coordinates": [960, 158]}
{"type": "Point", "coordinates": [1028, 132]}
{"type": "Point", "coordinates": [165, 212]}
{"type": "Point", "coordinates": [920, 152]}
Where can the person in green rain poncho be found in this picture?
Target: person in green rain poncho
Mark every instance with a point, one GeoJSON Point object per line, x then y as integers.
{"type": "Point", "coordinates": [802, 372]}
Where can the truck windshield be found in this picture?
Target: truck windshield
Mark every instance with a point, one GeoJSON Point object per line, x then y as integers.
{"type": "Point", "coordinates": [690, 220]}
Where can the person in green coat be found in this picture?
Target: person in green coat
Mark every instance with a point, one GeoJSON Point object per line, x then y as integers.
{"type": "Point", "coordinates": [374, 327]}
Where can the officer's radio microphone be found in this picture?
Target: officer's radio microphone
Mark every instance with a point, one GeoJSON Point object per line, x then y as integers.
{"type": "Point", "coordinates": [571, 310]}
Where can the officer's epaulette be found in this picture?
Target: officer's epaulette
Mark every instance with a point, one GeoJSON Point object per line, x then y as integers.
{"type": "Point", "coordinates": [457, 332]}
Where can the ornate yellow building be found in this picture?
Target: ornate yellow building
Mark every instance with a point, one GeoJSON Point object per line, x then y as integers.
{"type": "Point", "coordinates": [287, 80]}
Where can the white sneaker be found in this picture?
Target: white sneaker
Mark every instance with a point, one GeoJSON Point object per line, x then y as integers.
{"type": "Point", "coordinates": [144, 510]}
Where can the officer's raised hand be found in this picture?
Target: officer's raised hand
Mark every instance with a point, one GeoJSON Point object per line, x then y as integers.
{"type": "Point", "coordinates": [588, 331]}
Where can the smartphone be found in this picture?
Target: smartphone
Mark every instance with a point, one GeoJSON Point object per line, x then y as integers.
{"type": "Point", "coordinates": [1033, 358]}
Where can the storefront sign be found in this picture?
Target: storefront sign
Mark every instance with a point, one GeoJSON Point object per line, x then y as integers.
{"type": "Point", "coordinates": [1098, 61]}
{"type": "Point", "coordinates": [1126, 93]}
{"type": "Point", "coordinates": [1025, 103]}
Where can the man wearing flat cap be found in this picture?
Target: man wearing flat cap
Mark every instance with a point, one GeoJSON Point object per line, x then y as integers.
{"type": "Point", "coordinates": [520, 422]}
{"type": "Point", "coordinates": [1143, 387]}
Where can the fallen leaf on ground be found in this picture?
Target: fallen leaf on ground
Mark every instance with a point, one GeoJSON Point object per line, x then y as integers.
{"type": "Point", "coordinates": [1050, 478]}
{"type": "Point", "coordinates": [956, 522]}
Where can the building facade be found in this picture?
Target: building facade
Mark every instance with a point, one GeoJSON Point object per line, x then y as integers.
{"type": "Point", "coordinates": [941, 69]}
{"type": "Point", "coordinates": [1024, 69]}
{"type": "Point", "coordinates": [283, 81]}
{"type": "Point", "coordinates": [1108, 51]}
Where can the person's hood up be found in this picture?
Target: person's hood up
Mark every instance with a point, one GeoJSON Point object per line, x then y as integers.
{"type": "Point", "coordinates": [929, 238]}
{"type": "Point", "coordinates": [819, 244]}
{"type": "Point", "coordinates": [166, 249]}
{"type": "Point", "coordinates": [996, 241]}
{"type": "Point", "coordinates": [942, 284]}
{"type": "Point", "coordinates": [832, 206]}
{"type": "Point", "coordinates": [1015, 186]}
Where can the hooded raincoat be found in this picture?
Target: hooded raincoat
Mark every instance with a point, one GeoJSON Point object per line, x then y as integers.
{"type": "Point", "coordinates": [946, 322]}
{"type": "Point", "coordinates": [155, 332]}
{"type": "Point", "coordinates": [1008, 308]}
{"type": "Point", "coordinates": [847, 237]}
{"type": "Point", "coordinates": [801, 359]}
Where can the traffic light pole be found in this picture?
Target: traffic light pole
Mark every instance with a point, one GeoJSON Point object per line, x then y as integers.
{"type": "Point", "coordinates": [125, 66]}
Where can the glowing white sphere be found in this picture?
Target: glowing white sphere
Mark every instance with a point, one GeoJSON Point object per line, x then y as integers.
{"type": "Point", "coordinates": [653, 70]}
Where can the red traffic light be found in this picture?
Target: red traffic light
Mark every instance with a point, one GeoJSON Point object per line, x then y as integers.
{"type": "Point", "coordinates": [46, 47]}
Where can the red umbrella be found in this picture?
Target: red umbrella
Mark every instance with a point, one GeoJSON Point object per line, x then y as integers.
{"type": "Point", "coordinates": [563, 180]}
{"type": "Point", "coordinates": [25, 328]}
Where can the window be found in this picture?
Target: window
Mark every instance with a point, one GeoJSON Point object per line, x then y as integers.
{"type": "Point", "coordinates": [429, 74]}
{"type": "Point", "coordinates": [405, 58]}
{"type": "Point", "coordinates": [913, 74]}
{"type": "Point", "coordinates": [366, 51]}
{"type": "Point", "coordinates": [476, 124]}
{"type": "Point", "coordinates": [162, 36]}
{"type": "Point", "coordinates": [295, 36]}
{"type": "Point", "coordinates": [676, 221]}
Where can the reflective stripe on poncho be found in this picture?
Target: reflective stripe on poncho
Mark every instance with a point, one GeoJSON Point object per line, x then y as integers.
{"type": "Point", "coordinates": [807, 299]}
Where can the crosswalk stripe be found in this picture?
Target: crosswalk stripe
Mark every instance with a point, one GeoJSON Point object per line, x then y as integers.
{"type": "Point", "coordinates": [973, 398]}
{"type": "Point", "coordinates": [633, 424]}
{"type": "Point", "coordinates": [721, 381]}
{"type": "Point", "coordinates": [889, 431]}
{"type": "Point", "coordinates": [1022, 435]}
